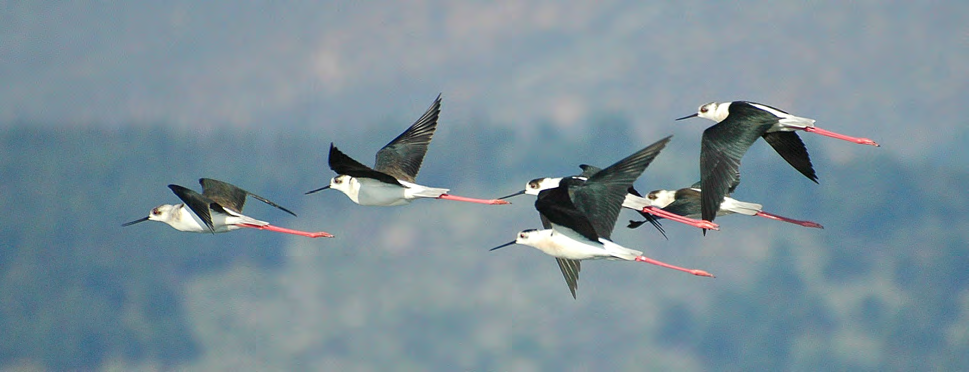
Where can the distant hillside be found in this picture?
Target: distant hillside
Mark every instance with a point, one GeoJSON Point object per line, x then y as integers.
{"type": "Point", "coordinates": [884, 286]}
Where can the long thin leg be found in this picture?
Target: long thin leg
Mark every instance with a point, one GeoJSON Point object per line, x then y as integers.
{"type": "Point", "coordinates": [473, 200]}
{"type": "Point", "coordinates": [668, 266]}
{"type": "Point", "coordinates": [703, 224]}
{"type": "Point", "coordinates": [858, 140]}
{"type": "Point", "coordinates": [284, 230]}
{"type": "Point", "coordinates": [790, 220]}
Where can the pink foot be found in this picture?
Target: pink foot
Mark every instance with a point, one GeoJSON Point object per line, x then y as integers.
{"type": "Point", "coordinates": [789, 220]}
{"type": "Point", "coordinates": [858, 140]}
{"type": "Point", "coordinates": [473, 200]}
{"type": "Point", "coordinates": [703, 224]}
{"type": "Point", "coordinates": [320, 234]}
{"type": "Point", "coordinates": [668, 266]}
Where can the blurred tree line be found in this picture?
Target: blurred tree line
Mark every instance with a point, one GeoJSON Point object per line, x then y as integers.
{"type": "Point", "coordinates": [885, 287]}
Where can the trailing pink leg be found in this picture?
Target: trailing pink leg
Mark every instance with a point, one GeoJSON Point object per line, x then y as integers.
{"type": "Point", "coordinates": [858, 140]}
{"type": "Point", "coordinates": [790, 220]}
{"type": "Point", "coordinates": [472, 200]}
{"type": "Point", "coordinates": [703, 224]}
{"type": "Point", "coordinates": [284, 230]}
{"type": "Point", "coordinates": [668, 266]}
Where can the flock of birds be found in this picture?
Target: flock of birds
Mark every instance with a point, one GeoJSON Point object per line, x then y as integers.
{"type": "Point", "coordinates": [578, 213]}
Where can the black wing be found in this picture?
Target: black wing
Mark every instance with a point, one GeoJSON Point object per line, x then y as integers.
{"type": "Point", "coordinates": [589, 170]}
{"type": "Point", "coordinates": [198, 203]}
{"type": "Point", "coordinates": [686, 203]}
{"type": "Point", "coordinates": [555, 206]}
{"type": "Point", "coordinates": [403, 156]}
{"type": "Point", "coordinates": [790, 147]}
{"type": "Point", "coordinates": [231, 196]}
{"type": "Point", "coordinates": [722, 147]}
{"type": "Point", "coordinates": [343, 164]}
{"type": "Point", "coordinates": [600, 198]}
{"type": "Point", "coordinates": [227, 195]}
{"type": "Point", "coordinates": [570, 268]}
{"type": "Point", "coordinates": [653, 220]}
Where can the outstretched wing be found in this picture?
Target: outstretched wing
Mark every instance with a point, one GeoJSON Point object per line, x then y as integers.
{"type": "Point", "coordinates": [601, 196]}
{"type": "Point", "coordinates": [570, 268]}
{"type": "Point", "coordinates": [790, 147]}
{"type": "Point", "coordinates": [722, 147]}
{"type": "Point", "coordinates": [343, 164]}
{"type": "Point", "coordinates": [403, 156]}
{"type": "Point", "coordinates": [231, 196]}
{"type": "Point", "coordinates": [198, 203]}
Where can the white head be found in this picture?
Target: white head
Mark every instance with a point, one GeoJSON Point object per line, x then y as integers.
{"type": "Point", "coordinates": [661, 198]}
{"type": "Point", "coordinates": [535, 186]}
{"type": "Point", "coordinates": [713, 111]}
{"type": "Point", "coordinates": [348, 185]}
{"type": "Point", "coordinates": [530, 237]}
{"type": "Point", "coordinates": [166, 213]}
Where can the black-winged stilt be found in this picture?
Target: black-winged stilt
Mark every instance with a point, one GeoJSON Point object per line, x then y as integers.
{"type": "Point", "coordinates": [739, 124]}
{"type": "Point", "coordinates": [217, 209]}
{"type": "Point", "coordinates": [686, 202]}
{"type": "Point", "coordinates": [580, 214]}
{"type": "Point", "coordinates": [391, 181]}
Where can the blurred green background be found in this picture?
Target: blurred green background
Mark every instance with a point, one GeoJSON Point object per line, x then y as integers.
{"type": "Point", "coordinates": [103, 104]}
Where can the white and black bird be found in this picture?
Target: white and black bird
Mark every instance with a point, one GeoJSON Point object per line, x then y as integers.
{"type": "Point", "coordinates": [535, 186]}
{"type": "Point", "coordinates": [391, 181]}
{"type": "Point", "coordinates": [686, 202]}
{"type": "Point", "coordinates": [739, 124]}
{"type": "Point", "coordinates": [217, 209]}
{"type": "Point", "coordinates": [580, 214]}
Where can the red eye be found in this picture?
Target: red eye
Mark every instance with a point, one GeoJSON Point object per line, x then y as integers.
{"type": "Point", "coordinates": [651, 196]}
{"type": "Point", "coordinates": [522, 235]}
{"type": "Point", "coordinates": [155, 211]}
{"type": "Point", "coordinates": [704, 110]}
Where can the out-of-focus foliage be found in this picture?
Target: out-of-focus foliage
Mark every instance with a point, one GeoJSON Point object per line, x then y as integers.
{"type": "Point", "coordinates": [883, 287]}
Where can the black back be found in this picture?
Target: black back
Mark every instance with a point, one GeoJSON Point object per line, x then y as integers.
{"type": "Point", "coordinates": [556, 207]}
{"type": "Point", "coordinates": [403, 156]}
{"type": "Point", "coordinates": [343, 164]}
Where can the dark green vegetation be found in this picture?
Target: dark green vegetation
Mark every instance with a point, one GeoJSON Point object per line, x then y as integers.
{"type": "Point", "coordinates": [884, 287]}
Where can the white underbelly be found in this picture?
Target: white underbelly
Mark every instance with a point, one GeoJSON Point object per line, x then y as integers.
{"type": "Point", "coordinates": [381, 194]}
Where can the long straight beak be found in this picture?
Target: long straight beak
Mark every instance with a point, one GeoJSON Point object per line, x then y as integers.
{"type": "Point", "coordinates": [143, 219]}
{"type": "Point", "coordinates": [319, 189]}
{"type": "Point", "coordinates": [503, 245]}
{"type": "Point", "coordinates": [689, 116]}
{"type": "Point", "coordinates": [515, 194]}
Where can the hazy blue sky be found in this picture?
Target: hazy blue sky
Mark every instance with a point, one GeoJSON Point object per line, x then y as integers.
{"type": "Point", "coordinates": [887, 70]}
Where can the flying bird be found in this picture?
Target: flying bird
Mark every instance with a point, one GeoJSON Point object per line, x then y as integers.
{"type": "Point", "coordinates": [391, 181]}
{"type": "Point", "coordinates": [686, 202]}
{"type": "Point", "coordinates": [535, 186]}
{"type": "Point", "coordinates": [739, 124]}
{"type": "Point", "coordinates": [579, 215]}
{"type": "Point", "coordinates": [217, 209]}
